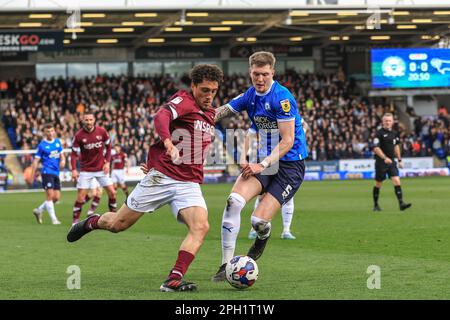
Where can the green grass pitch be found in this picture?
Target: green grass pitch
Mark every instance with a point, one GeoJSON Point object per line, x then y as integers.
{"type": "Point", "coordinates": [338, 238]}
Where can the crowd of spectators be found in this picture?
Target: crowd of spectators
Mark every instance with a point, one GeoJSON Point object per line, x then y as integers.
{"type": "Point", "coordinates": [342, 122]}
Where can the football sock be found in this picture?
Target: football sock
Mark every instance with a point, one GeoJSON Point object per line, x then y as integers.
{"type": "Point", "coordinates": [398, 193]}
{"type": "Point", "coordinates": [231, 223]}
{"type": "Point", "coordinates": [112, 204]}
{"type": "Point", "coordinates": [87, 198]}
{"type": "Point", "coordinates": [262, 227]}
{"type": "Point", "coordinates": [94, 205]}
{"type": "Point", "coordinates": [181, 265]}
{"type": "Point", "coordinates": [77, 210]}
{"type": "Point", "coordinates": [92, 223]}
{"type": "Point", "coordinates": [51, 210]}
{"type": "Point", "coordinates": [287, 213]}
{"type": "Point", "coordinates": [376, 193]}
{"type": "Point", "coordinates": [42, 206]}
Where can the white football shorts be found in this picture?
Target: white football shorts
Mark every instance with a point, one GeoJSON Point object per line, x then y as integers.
{"type": "Point", "coordinates": [85, 179]}
{"type": "Point", "coordinates": [118, 176]}
{"type": "Point", "coordinates": [157, 190]}
{"type": "Point", "coordinates": [94, 184]}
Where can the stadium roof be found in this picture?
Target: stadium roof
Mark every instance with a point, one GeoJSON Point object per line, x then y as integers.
{"type": "Point", "coordinates": [210, 4]}
{"type": "Point", "coordinates": [317, 25]}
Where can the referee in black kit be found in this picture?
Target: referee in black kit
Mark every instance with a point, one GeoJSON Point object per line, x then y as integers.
{"type": "Point", "coordinates": [386, 149]}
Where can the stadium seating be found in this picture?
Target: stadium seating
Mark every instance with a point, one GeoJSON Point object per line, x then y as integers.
{"type": "Point", "coordinates": [343, 122]}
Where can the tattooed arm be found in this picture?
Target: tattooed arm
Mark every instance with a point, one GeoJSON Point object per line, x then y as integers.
{"type": "Point", "coordinates": [223, 112]}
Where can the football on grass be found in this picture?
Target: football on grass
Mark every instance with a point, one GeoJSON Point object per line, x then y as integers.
{"type": "Point", "coordinates": [241, 272]}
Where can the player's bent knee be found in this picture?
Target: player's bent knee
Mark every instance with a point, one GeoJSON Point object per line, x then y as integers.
{"type": "Point", "coordinates": [203, 228]}
{"type": "Point", "coordinates": [200, 228]}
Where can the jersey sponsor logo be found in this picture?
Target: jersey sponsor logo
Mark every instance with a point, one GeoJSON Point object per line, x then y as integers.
{"type": "Point", "coordinates": [176, 100]}
{"type": "Point", "coordinates": [203, 126]}
{"type": "Point", "coordinates": [264, 123]}
{"type": "Point", "coordinates": [285, 105]}
{"type": "Point", "coordinates": [93, 145]}
{"type": "Point", "coordinates": [54, 154]}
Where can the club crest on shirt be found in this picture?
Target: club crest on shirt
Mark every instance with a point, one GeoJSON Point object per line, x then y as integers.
{"type": "Point", "coordinates": [267, 106]}
{"type": "Point", "coordinates": [99, 137]}
{"type": "Point", "coordinates": [84, 140]}
{"type": "Point", "coordinates": [285, 105]}
{"type": "Point", "coordinates": [176, 100]}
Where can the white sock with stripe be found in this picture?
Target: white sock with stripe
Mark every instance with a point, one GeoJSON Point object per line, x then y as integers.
{"type": "Point", "coordinates": [231, 223]}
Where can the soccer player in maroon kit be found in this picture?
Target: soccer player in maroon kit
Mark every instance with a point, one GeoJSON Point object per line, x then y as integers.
{"type": "Point", "coordinates": [185, 126]}
{"type": "Point", "coordinates": [119, 159]}
{"type": "Point", "coordinates": [91, 145]}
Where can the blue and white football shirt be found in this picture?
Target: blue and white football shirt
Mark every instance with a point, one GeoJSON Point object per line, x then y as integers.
{"type": "Point", "coordinates": [50, 152]}
{"type": "Point", "coordinates": [265, 110]}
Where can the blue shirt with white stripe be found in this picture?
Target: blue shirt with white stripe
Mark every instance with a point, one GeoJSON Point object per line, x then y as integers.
{"type": "Point", "coordinates": [265, 111]}
{"type": "Point", "coordinates": [50, 153]}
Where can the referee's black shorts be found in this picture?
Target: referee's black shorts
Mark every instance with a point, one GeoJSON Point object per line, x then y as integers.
{"type": "Point", "coordinates": [382, 169]}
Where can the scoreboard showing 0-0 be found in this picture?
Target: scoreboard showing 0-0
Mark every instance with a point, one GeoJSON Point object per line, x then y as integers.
{"type": "Point", "coordinates": [410, 68]}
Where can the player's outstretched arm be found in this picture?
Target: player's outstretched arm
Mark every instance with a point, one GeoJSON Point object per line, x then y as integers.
{"type": "Point", "coordinates": [73, 165]}
{"type": "Point", "coordinates": [144, 168]}
{"type": "Point", "coordinates": [162, 127]}
{"type": "Point", "coordinates": [398, 155]}
{"type": "Point", "coordinates": [381, 154]}
{"type": "Point", "coordinates": [223, 112]}
{"type": "Point", "coordinates": [62, 160]}
{"type": "Point", "coordinates": [287, 134]}
{"type": "Point", "coordinates": [34, 166]}
{"type": "Point", "coordinates": [306, 127]}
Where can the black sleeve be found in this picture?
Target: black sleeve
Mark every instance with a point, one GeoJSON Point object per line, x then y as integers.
{"type": "Point", "coordinates": [377, 140]}
{"type": "Point", "coordinates": [397, 139]}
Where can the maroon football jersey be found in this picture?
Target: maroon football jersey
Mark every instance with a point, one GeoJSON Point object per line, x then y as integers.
{"type": "Point", "coordinates": [93, 149]}
{"type": "Point", "coordinates": [191, 129]}
{"type": "Point", "coordinates": [118, 160]}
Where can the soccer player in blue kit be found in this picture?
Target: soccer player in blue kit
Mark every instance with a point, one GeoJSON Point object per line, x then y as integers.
{"type": "Point", "coordinates": [274, 116]}
{"type": "Point", "coordinates": [50, 152]}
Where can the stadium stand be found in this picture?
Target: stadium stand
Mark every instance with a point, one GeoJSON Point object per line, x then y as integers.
{"type": "Point", "coordinates": [343, 123]}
